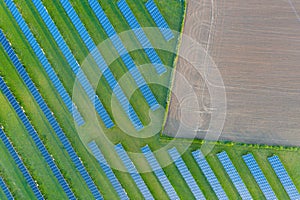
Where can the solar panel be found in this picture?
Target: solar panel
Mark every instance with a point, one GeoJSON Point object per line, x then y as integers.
{"type": "Point", "coordinates": [259, 176]}
{"type": "Point", "coordinates": [141, 36]}
{"type": "Point", "coordinates": [185, 173]}
{"type": "Point", "coordinates": [133, 172]}
{"type": "Point", "coordinates": [38, 142]}
{"type": "Point", "coordinates": [108, 75]}
{"type": "Point", "coordinates": [107, 170]}
{"type": "Point", "coordinates": [73, 64]}
{"type": "Point", "coordinates": [125, 56]}
{"type": "Point", "coordinates": [234, 176]}
{"type": "Point", "coordinates": [51, 119]}
{"type": "Point", "coordinates": [159, 20]}
{"type": "Point", "coordinates": [20, 165]}
{"type": "Point", "coordinates": [284, 177]}
{"type": "Point", "coordinates": [160, 174]}
{"type": "Point", "coordinates": [209, 174]}
{"type": "Point", "coordinates": [5, 189]}
{"type": "Point", "coordinates": [46, 65]}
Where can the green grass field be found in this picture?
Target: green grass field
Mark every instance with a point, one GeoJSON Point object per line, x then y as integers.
{"type": "Point", "coordinates": [173, 12]}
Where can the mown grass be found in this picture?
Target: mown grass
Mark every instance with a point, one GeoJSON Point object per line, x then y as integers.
{"type": "Point", "coordinates": [50, 95]}
{"type": "Point", "coordinates": [2, 195]}
{"type": "Point", "coordinates": [54, 146]}
{"type": "Point", "coordinates": [12, 175]}
{"type": "Point", "coordinates": [40, 124]}
{"type": "Point", "coordinates": [172, 10]}
{"type": "Point", "coordinates": [29, 153]}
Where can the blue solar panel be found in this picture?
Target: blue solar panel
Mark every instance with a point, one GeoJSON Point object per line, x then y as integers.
{"type": "Point", "coordinates": [141, 36]}
{"type": "Point", "coordinates": [185, 173]}
{"type": "Point", "coordinates": [234, 176]}
{"type": "Point", "coordinates": [47, 66]}
{"type": "Point", "coordinates": [107, 170]}
{"type": "Point", "coordinates": [51, 119]}
{"type": "Point", "coordinates": [159, 20]}
{"type": "Point", "coordinates": [284, 177]}
{"type": "Point", "coordinates": [38, 142]}
{"type": "Point", "coordinates": [20, 163]}
{"type": "Point", "coordinates": [73, 64]}
{"type": "Point", "coordinates": [125, 56]}
{"type": "Point", "coordinates": [5, 189]}
{"type": "Point", "coordinates": [164, 181]}
{"type": "Point", "coordinates": [259, 176]}
{"type": "Point", "coordinates": [133, 172]}
{"type": "Point", "coordinates": [102, 66]}
{"type": "Point", "coordinates": [209, 174]}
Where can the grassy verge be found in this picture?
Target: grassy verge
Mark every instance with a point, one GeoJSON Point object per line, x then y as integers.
{"type": "Point", "coordinates": [172, 79]}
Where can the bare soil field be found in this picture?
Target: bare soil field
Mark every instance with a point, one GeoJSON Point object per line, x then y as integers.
{"type": "Point", "coordinates": [256, 48]}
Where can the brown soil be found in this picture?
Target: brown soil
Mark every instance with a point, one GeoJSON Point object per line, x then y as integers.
{"type": "Point", "coordinates": [256, 47]}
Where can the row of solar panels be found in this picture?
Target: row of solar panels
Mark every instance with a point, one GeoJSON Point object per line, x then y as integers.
{"type": "Point", "coordinates": [47, 112]}
{"type": "Point", "coordinates": [185, 173]}
{"type": "Point", "coordinates": [160, 174]}
{"type": "Point", "coordinates": [251, 164]}
{"type": "Point", "coordinates": [209, 174]}
{"type": "Point", "coordinates": [107, 170]}
{"type": "Point", "coordinates": [5, 189]}
{"type": "Point", "coordinates": [234, 175]}
{"type": "Point", "coordinates": [263, 182]}
{"type": "Point", "coordinates": [20, 165]}
{"type": "Point", "coordinates": [119, 46]}
{"type": "Point", "coordinates": [98, 58]}
{"type": "Point", "coordinates": [133, 172]}
{"type": "Point", "coordinates": [284, 177]}
{"type": "Point", "coordinates": [125, 56]}
{"type": "Point", "coordinates": [259, 177]}
{"type": "Point", "coordinates": [207, 171]}
{"type": "Point", "coordinates": [159, 20]}
{"type": "Point", "coordinates": [45, 63]}
{"type": "Point", "coordinates": [112, 82]}
{"type": "Point", "coordinates": [141, 36]}
{"type": "Point", "coordinates": [73, 64]}
{"type": "Point", "coordinates": [22, 115]}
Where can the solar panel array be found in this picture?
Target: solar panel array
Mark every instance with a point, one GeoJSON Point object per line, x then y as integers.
{"type": "Point", "coordinates": [141, 36]}
{"type": "Point", "coordinates": [160, 174]}
{"type": "Point", "coordinates": [133, 172]}
{"type": "Point", "coordinates": [209, 174]}
{"type": "Point", "coordinates": [259, 176]}
{"type": "Point", "coordinates": [25, 120]}
{"type": "Point", "coordinates": [51, 119]}
{"type": "Point", "coordinates": [185, 173]}
{"type": "Point", "coordinates": [20, 163]}
{"type": "Point", "coordinates": [5, 189]}
{"type": "Point", "coordinates": [125, 56]}
{"type": "Point", "coordinates": [159, 20]}
{"type": "Point", "coordinates": [45, 63]}
{"type": "Point", "coordinates": [73, 64]}
{"type": "Point", "coordinates": [107, 170]}
{"type": "Point", "coordinates": [284, 177]}
{"type": "Point", "coordinates": [112, 82]}
{"type": "Point", "coordinates": [234, 176]}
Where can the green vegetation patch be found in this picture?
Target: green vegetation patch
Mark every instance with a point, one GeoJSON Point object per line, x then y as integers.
{"type": "Point", "coordinates": [132, 141]}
